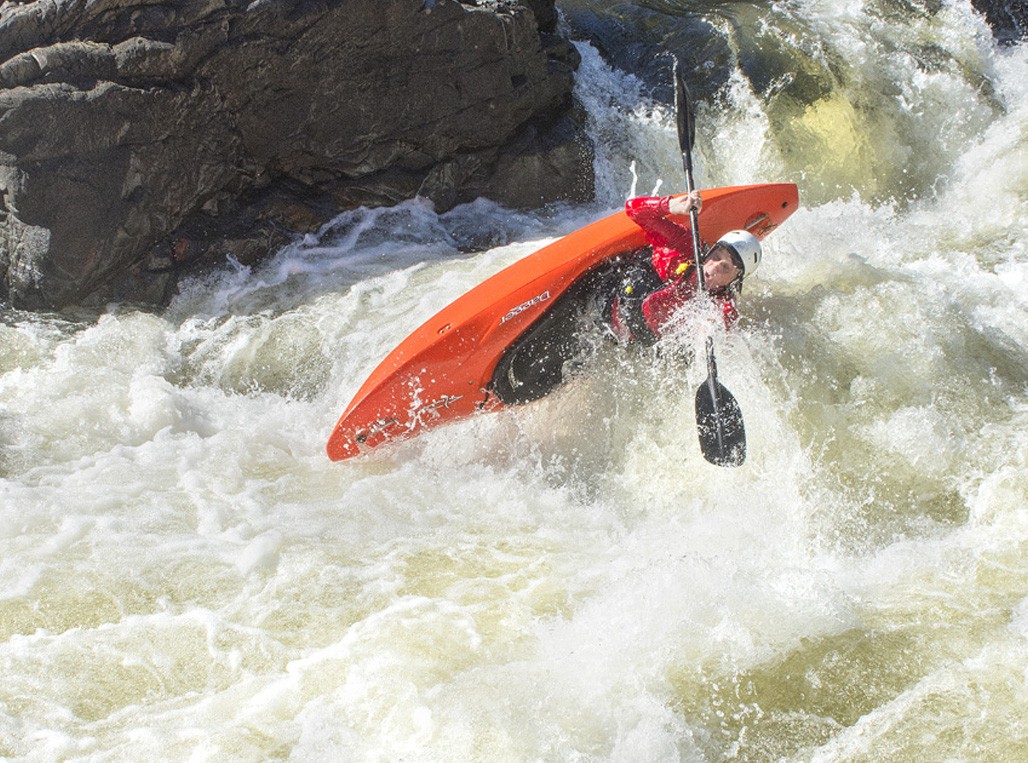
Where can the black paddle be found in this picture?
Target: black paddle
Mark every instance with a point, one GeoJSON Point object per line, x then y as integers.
{"type": "Point", "coordinates": [718, 417]}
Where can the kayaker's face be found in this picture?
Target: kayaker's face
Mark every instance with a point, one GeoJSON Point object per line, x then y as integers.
{"type": "Point", "coordinates": [718, 269]}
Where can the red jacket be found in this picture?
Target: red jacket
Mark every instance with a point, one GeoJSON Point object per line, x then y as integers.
{"type": "Point", "coordinates": [672, 248]}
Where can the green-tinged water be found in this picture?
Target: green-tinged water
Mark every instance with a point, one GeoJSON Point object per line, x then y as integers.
{"type": "Point", "coordinates": [185, 576]}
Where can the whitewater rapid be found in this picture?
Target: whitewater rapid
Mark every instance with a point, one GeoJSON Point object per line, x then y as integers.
{"type": "Point", "coordinates": [185, 576]}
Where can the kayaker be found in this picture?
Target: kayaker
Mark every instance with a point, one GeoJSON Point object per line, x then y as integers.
{"type": "Point", "coordinates": [651, 293]}
{"type": "Point", "coordinates": [636, 298]}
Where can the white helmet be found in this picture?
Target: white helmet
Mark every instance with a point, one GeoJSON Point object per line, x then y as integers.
{"type": "Point", "coordinates": [744, 246]}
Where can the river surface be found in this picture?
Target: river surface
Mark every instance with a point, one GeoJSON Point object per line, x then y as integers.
{"type": "Point", "coordinates": [185, 576]}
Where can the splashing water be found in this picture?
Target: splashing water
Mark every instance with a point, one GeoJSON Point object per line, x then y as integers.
{"type": "Point", "coordinates": [184, 574]}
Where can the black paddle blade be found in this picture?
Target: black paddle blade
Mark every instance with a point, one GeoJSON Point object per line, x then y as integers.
{"type": "Point", "coordinates": [683, 111]}
{"type": "Point", "coordinates": [719, 424]}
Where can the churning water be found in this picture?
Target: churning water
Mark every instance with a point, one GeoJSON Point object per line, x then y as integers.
{"type": "Point", "coordinates": [185, 575]}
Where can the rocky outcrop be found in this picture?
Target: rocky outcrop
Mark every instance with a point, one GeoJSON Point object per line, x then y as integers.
{"type": "Point", "coordinates": [1008, 18]}
{"type": "Point", "coordinates": [139, 135]}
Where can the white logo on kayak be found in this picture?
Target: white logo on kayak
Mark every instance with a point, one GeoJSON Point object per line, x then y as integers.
{"type": "Point", "coordinates": [444, 402]}
{"type": "Point", "coordinates": [421, 415]}
{"type": "Point", "coordinates": [525, 305]}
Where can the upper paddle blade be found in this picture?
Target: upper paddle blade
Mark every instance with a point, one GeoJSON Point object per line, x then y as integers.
{"type": "Point", "coordinates": [683, 111]}
{"type": "Point", "coordinates": [719, 424]}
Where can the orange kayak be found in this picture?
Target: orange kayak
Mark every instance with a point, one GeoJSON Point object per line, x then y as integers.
{"type": "Point", "coordinates": [441, 373]}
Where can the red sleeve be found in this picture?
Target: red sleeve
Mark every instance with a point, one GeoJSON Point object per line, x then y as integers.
{"type": "Point", "coordinates": [651, 214]}
{"type": "Point", "coordinates": [728, 310]}
{"type": "Point", "coordinates": [660, 307]}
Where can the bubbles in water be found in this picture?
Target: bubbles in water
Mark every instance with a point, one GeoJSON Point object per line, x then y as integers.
{"type": "Point", "coordinates": [185, 574]}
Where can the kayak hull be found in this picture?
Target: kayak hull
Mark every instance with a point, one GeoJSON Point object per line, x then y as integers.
{"type": "Point", "coordinates": [441, 372]}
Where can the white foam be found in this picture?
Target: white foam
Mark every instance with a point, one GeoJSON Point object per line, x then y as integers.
{"type": "Point", "coordinates": [185, 575]}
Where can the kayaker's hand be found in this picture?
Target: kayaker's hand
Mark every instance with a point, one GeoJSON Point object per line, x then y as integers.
{"type": "Point", "coordinates": [683, 205]}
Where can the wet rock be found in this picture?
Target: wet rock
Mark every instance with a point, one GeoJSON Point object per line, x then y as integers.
{"type": "Point", "coordinates": [131, 130]}
{"type": "Point", "coordinates": [1008, 18]}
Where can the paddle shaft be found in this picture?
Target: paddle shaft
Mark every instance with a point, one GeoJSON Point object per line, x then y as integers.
{"type": "Point", "coordinates": [694, 215]}
{"type": "Point", "coordinates": [686, 135]}
{"type": "Point", "coordinates": [718, 417]}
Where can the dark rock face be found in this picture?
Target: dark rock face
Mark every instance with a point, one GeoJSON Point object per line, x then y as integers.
{"type": "Point", "coordinates": [1008, 18]}
{"type": "Point", "coordinates": [137, 135]}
